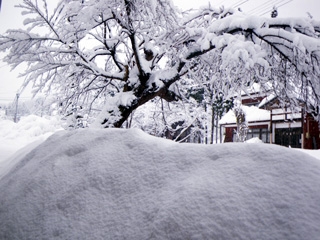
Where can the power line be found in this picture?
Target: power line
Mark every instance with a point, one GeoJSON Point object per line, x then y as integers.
{"type": "Point", "coordinates": [278, 6]}
{"type": "Point", "coordinates": [268, 7]}
{"type": "Point", "coordinates": [241, 3]}
{"type": "Point", "coordinates": [263, 5]}
{"type": "Point", "coordinates": [233, 4]}
{"type": "Point", "coordinates": [237, 2]}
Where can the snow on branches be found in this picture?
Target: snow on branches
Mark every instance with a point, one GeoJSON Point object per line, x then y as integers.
{"type": "Point", "coordinates": [90, 51]}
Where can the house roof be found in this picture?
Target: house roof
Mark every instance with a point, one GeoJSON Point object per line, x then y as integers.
{"type": "Point", "coordinates": [267, 100]}
{"type": "Point", "coordinates": [253, 114]}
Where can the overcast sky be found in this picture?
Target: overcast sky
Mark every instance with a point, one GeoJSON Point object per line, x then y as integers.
{"type": "Point", "coordinates": [11, 18]}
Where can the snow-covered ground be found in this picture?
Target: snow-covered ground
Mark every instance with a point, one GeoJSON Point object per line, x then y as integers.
{"type": "Point", "coordinates": [16, 139]}
{"type": "Point", "coordinates": [125, 184]}
{"type": "Point", "coordinates": [313, 153]}
{"type": "Point", "coordinates": [14, 136]}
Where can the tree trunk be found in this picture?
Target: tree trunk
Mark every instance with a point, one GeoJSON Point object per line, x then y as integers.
{"type": "Point", "coordinates": [212, 124]}
{"type": "Point", "coordinates": [143, 94]}
{"type": "Point", "coordinates": [217, 121]}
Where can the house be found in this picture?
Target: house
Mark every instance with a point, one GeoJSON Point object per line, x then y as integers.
{"type": "Point", "coordinates": [274, 124]}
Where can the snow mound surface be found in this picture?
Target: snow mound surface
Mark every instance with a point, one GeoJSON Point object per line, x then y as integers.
{"type": "Point", "coordinates": [125, 184]}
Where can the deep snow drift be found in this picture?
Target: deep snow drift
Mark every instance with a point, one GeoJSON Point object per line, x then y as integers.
{"type": "Point", "coordinates": [125, 184]}
{"type": "Point", "coordinates": [14, 136]}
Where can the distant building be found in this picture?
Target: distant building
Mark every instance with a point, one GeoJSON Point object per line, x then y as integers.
{"type": "Point", "coordinates": [274, 124]}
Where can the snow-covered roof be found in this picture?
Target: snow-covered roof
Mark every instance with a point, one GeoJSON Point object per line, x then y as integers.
{"type": "Point", "coordinates": [253, 114]}
{"type": "Point", "coordinates": [267, 100]}
{"type": "Point", "coordinates": [124, 184]}
{"type": "Point", "coordinates": [254, 88]}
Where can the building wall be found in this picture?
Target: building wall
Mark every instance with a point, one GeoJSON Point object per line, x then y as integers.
{"type": "Point", "coordinates": [229, 134]}
{"type": "Point", "coordinates": [251, 101]}
{"type": "Point", "coordinates": [310, 129]}
{"type": "Point", "coordinates": [311, 133]}
{"type": "Point", "coordinates": [287, 128]}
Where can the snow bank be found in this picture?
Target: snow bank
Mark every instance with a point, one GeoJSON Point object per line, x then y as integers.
{"type": "Point", "coordinates": [314, 153]}
{"type": "Point", "coordinates": [125, 184]}
{"type": "Point", "coordinates": [254, 140]}
{"type": "Point", "coordinates": [30, 126]}
{"type": "Point", "coordinates": [14, 136]}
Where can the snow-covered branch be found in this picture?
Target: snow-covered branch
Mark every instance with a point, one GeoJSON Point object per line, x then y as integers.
{"type": "Point", "coordinates": [91, 51]}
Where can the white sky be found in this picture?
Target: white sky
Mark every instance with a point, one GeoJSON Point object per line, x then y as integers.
{"type": "Point", "coordinates": [11, 18]}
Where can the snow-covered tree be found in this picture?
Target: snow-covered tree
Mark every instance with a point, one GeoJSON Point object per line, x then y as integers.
{"type": "Point", "coordinates": [123, 53]}
{"type": "Point", "coordinates": [242, 125]}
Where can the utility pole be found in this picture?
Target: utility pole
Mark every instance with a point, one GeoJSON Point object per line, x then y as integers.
{"type": "Point", "coordinates": [16, 113]}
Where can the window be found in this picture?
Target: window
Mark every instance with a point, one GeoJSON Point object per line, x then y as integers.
{"type": "Point", "coordinates": [288, 137]}
{"type": "Point", "coordinates": [261, 133]}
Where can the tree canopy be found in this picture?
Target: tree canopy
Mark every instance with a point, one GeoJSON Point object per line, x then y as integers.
{"type": "Point", "coordinates": [122, 54]}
